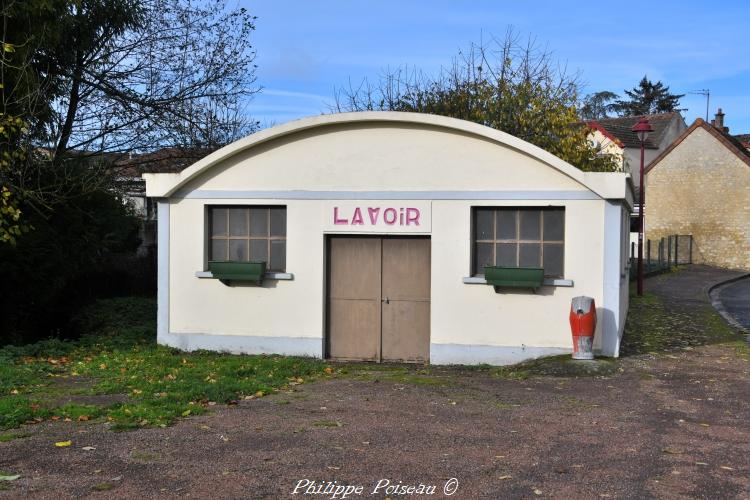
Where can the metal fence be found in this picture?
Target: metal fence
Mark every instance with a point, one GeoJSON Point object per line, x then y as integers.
{"type": "Point", "coordinates": [660, 255]}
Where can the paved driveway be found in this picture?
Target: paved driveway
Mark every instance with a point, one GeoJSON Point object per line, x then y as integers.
{"type": "Point", "coordinates": [735, 299]}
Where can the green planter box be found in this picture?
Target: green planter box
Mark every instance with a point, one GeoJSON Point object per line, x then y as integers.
{"type": "Point", "coordinates": [516, 277]}
{"type": "Point", "coordinates": [238, 271]}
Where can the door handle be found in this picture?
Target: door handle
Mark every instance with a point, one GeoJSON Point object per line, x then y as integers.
{"type": "Point", "coordinates": [386, 301]}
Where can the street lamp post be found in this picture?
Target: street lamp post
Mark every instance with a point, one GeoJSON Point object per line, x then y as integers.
{"type": "Point", "coordinates": [642, 129]}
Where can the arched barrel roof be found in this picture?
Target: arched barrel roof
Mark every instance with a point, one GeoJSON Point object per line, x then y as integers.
{"type": "Point", "coordinates": [605, 185]}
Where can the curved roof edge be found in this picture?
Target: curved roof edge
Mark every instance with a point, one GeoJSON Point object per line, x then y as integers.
{"type": "Point", "coordinates": [165, 185]}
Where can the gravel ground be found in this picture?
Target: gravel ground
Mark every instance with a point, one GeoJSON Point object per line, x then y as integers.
{"type": "Point", "coordinates": [664, 426]}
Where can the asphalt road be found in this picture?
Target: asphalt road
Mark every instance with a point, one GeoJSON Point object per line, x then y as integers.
{"type": "Point", "coordinates": [735, 298]}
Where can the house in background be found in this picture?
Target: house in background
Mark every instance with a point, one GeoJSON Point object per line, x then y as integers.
{"type": "Point", "coordinates": [743, 139]}
{"type": "Point", "coordinates": [128, 172]}
{"type": "Point", "coordinates": [700, 185]}
{"type": "Point", "coordinates": [614, 136]}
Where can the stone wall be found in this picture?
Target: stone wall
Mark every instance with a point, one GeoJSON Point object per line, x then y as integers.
{"type": "Point", "coordinates": [702, 188]}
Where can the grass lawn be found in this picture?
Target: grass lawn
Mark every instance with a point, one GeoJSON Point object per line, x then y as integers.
{"type": "Point", "coordinates": [115, 372]}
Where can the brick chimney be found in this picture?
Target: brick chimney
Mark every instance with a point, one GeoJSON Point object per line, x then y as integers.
{"type": "Point", "coordinates": [718, 122]}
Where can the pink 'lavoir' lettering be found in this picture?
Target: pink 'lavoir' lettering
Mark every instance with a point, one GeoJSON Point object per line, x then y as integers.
{"type": "Point", "coordinates": [357, 217]}
{"type": "Point", "coordinates": [393, 216]}
{"type": "Point", "coordinates": [373, 211]}
{"type": "Point", "coordinates": [338, 221]}
{"type": "Point", "coordinates": [412, 216]}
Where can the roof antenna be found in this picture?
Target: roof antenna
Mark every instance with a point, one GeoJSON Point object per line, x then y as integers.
{"type": "Point", "coordinates": [705, 92]}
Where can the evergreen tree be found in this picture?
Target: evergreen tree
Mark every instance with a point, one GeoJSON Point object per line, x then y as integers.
{"type": "Point", "coordinates": [648, 98]}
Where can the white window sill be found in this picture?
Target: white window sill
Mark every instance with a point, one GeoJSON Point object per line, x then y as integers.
{"type": "Point", "coordinates": [268, 276]}
{"type": "Point", "coordinates": [479, 280]}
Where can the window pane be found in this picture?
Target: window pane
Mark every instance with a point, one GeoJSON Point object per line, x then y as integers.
{"type": "Point", "coordinates": [258, 222]}
{"type": "Point", "coordinates": [238, 250]}
{"type": "Point", "coordinates": [553, 260]}
{"type": "Point", "coordinates": [506, 255]}
{"type": "Point", "coordinates": [483, 224]}
{"type": "Point", "coordinates": [484, 257]}
{"type": "Point", "coordinates": [529, 255]}
{"type": "Point", "coordinates": [278, 222]}
{"type": "Point", "coordinates": [554, 225]}
{"type": "Point", "coordinates": [237, 222]}
{"type": "Point", "coordinates": [506, 224]}
{"type": "Point", "coordinates": [529, 227]}
{"type": "Point", "coordinates": [218, 250]}
{"type": "Point", "coordinates": [219, 222]}
{"type": "Point", "coordinates": [259, 250]}
{"type": "Point", "coordinates": [278, 255]}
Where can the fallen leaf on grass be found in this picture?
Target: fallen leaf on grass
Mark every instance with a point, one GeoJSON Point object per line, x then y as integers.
{"type": "Point", "coordinates": [186, 413]}
{"type": "Point", "coordinates": [9, 477]}
{"type": "Point", "coordinates": [83, 418]}
{"type": "Point", "coordinates": [328, 370]}
{"type": "Point", "coordinates": [63, 444]}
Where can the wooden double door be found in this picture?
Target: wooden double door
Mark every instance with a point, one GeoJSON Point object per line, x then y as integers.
{"type": "Point", "coordinates": [379, 298]}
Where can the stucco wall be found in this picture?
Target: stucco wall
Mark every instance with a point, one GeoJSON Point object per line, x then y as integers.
{"type": "Point", "coordinates": [381, 165]}
{"type": "Point", "coordinates": [702, 188]}
{"type": "Point", "coordinates": [608, 147]}
{"type": "Point", "coordinates": [461, 313]}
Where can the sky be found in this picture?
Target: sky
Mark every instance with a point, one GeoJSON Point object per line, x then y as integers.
{"type": "Point", "coordinates": [307, 49]}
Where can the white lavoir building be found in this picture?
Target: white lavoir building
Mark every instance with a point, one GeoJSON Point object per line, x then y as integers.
{"type": "Point", "coordinates": [372, 232]}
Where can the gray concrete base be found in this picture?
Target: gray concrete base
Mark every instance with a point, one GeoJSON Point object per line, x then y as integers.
{"type": "Point", "coordinates": [245, 344]}
{"type": "Point", "coordinates": [466, 354]}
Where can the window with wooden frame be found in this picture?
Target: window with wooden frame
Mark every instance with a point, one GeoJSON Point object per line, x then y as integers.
{"type": "Point", "coordinates": [248, 233]}
{"type": "Point", "coordinates": [519, 237]}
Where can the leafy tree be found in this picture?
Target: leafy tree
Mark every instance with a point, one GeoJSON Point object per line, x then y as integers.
{"type": "Point", "coordinates": [597, 105]}
{"type": "Point", "coordinates": [648, 98]}
{"type": "Point", "coordinates": [82, 81]}
{"type": "Point", "coordinates": [507, 84]}
{"type": "Point", "coordinates": [96, 77]}
{"type": "Point", "coordinates": [65, 261]}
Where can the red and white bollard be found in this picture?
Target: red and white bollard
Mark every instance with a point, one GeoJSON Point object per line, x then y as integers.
{"type": "Point", "coordinates": [582, 326]}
